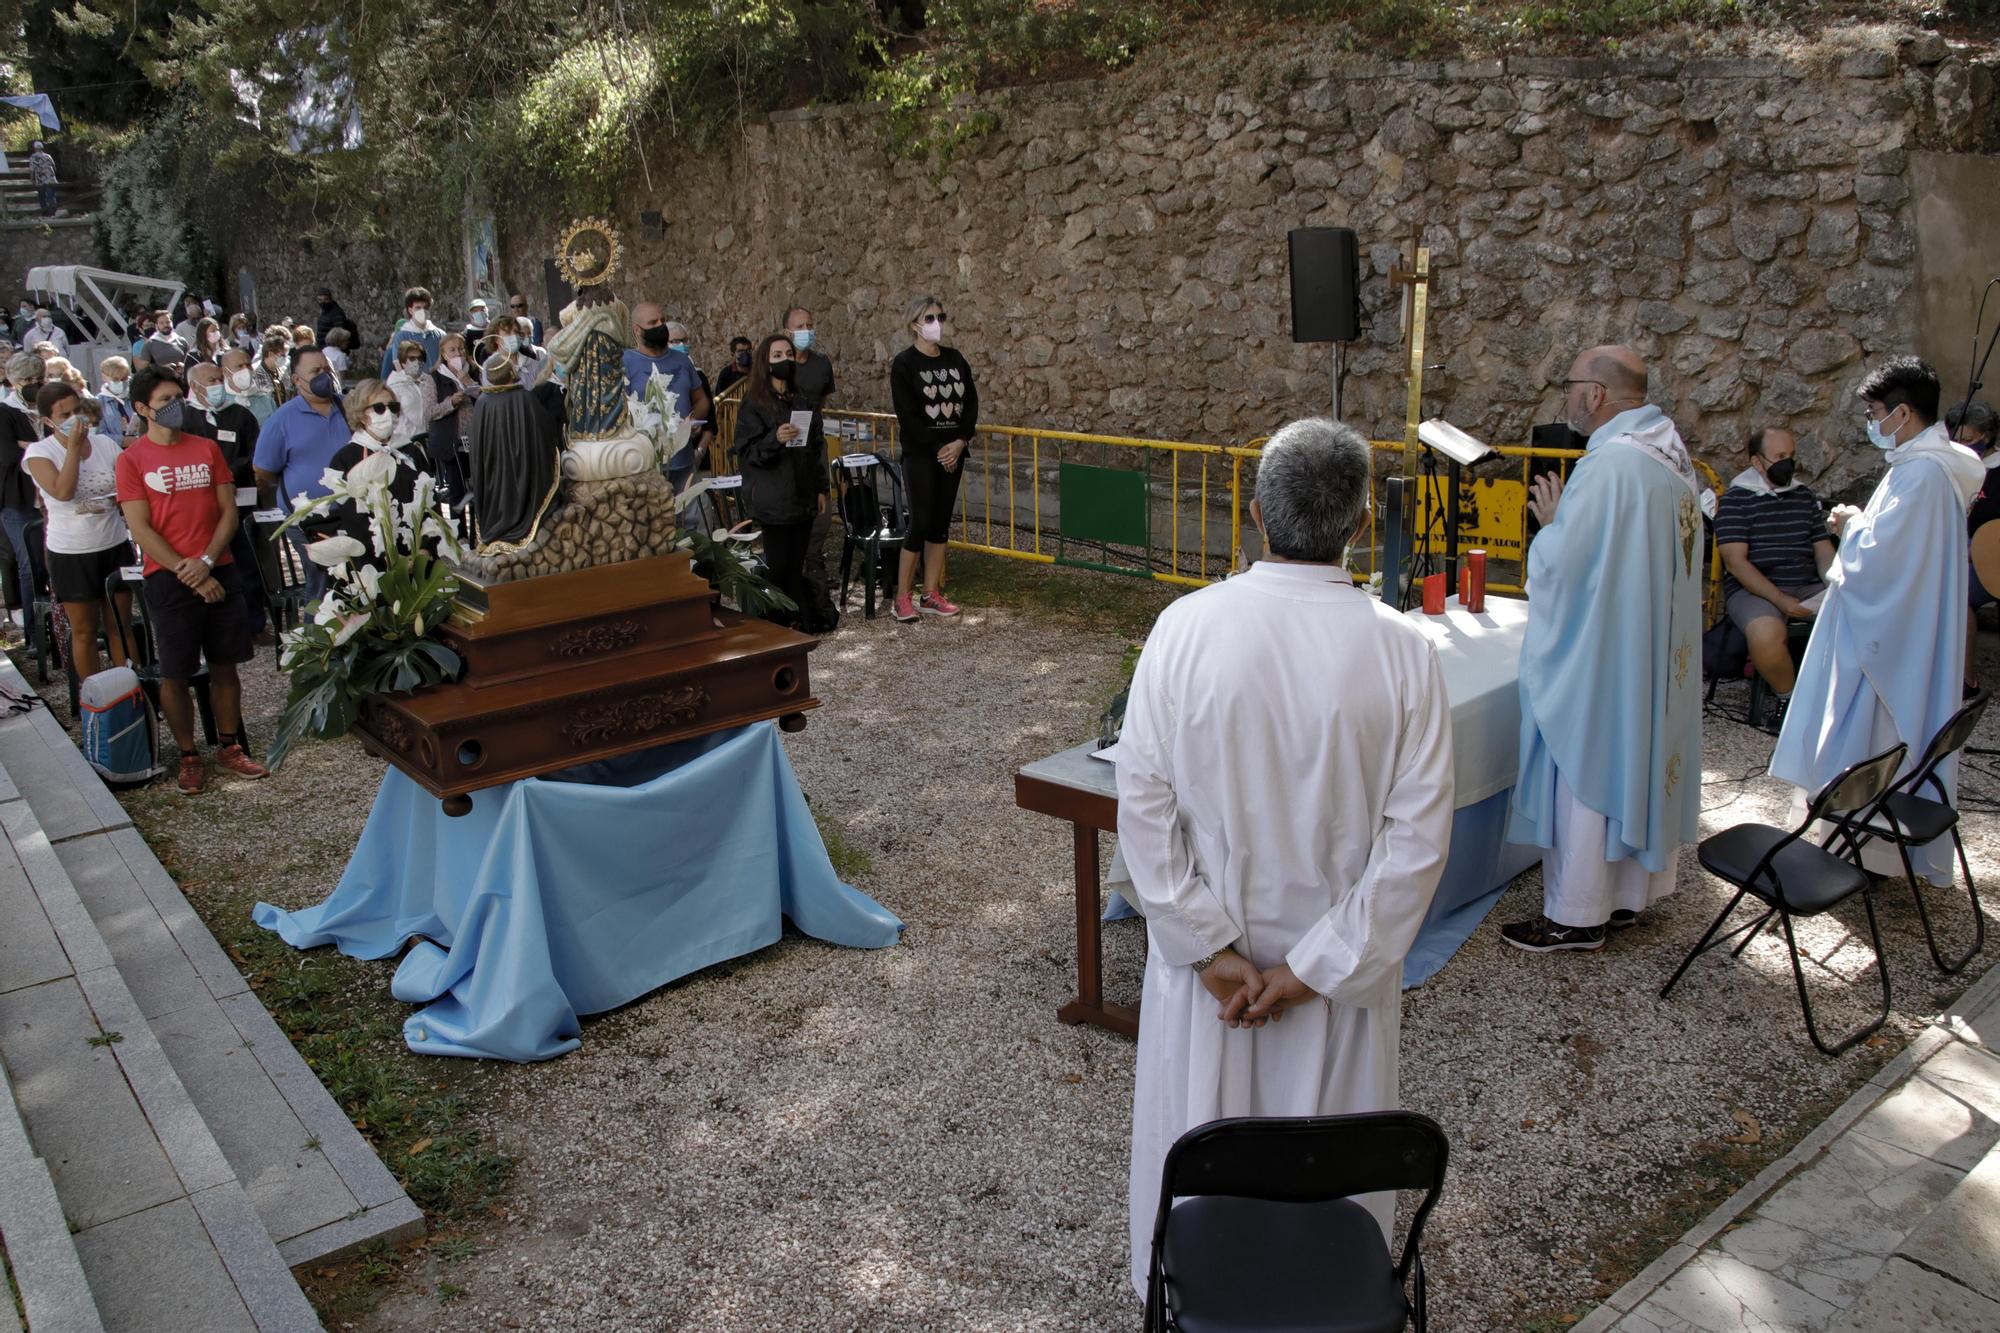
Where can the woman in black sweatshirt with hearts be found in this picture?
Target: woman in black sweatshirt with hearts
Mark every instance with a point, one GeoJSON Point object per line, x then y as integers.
{"type": "Point", "coordinates": [937, 415]}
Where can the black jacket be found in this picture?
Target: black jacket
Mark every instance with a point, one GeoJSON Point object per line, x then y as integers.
{"type": "Point", "coordinates": [17, 432]}
{"type": "Point", "coordinates": [332, 317]}
{"type": "Point", "coordinates": [780, 485]}
{"type": "Point", "coordinates": [234, 430]}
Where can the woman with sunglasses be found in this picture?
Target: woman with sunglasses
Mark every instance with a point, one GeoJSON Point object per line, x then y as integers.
{"type": "Point", "coordinates": [937, 414]}
{"type": "Point", "coordinates": [374, 412]}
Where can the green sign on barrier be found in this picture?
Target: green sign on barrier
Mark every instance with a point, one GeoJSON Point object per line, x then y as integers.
{"type": "Point", "coordinates": [1105, 506]}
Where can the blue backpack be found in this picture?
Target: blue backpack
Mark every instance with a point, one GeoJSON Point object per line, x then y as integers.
{"type": "Point", "coordinates": [119, 737]}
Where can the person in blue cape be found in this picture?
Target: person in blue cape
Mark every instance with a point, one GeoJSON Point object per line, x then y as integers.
{"type": "Point", "coordinates": [1610, 773]}
{"type": "Point", "coordinates": [1887, 654]}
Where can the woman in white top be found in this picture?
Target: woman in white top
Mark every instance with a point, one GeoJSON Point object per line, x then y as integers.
{"type": "Point", "coordinates": [414, 391]}
{"type": "Point", "coordinates": [85, 538]}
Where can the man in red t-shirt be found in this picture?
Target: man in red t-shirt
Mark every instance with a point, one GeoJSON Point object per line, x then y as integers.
{"type": "Point", "coordinates": [180, 503]}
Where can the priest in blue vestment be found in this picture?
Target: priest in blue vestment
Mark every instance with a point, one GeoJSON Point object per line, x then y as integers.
{"type": "Point", "coordinates": [1887, 655]}
{"type": "Point", "coordinates": [1610, 769]}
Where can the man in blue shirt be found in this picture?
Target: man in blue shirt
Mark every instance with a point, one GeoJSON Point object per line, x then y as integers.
{"type": "Point", "coordinates": [653, 354]}
{"type": "Point", "coordinates": [297, 444]}
{"type": "Point", "coordinates": [416, 328]}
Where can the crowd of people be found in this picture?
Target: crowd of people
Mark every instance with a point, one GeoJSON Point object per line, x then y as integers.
{"type": "Point", "coordinates": [260, 414]}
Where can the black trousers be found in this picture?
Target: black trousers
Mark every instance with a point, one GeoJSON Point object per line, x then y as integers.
{"type": "Point", "coordinates": [785, 560]}
{"type": "Point", "coordinates": [933, 494]}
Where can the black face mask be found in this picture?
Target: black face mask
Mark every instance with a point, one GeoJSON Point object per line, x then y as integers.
{"type": "Point", "coordinates": [782, 371]}
{"type": "Point", "coordinates": [655, 338]}
{"type": "Point", "coordinates": [743, 360]}
{"type": "Point", "coordinates": [1782, 471]}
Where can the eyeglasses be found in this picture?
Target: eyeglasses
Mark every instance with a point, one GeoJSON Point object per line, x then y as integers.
{"type": "Point", "coordinates": [386, 409]}
{"type": "Point", "coordinates": [518, 305]}
{"type": "Point", "coordinates": [940, 317]}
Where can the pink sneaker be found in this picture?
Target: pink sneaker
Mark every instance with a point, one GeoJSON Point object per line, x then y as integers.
{"type": "Point", "coordinates": [904, 610]}
{"type": "Point", "coordinates": [934, 604]}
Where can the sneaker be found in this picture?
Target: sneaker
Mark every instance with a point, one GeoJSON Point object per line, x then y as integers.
{"type": "Point", "coordinates": [1774, 712]}
{"type": "Point", "coordinates": [1542, 935]}
{"type": "Point", "coordinates": [194, 775]}
{"type": "Point", "coordinates": [242, 765]}
{"type": "Point", "coordinates": [1622, 920]}
{"type": "Point", "coordinates": [934, 604]}
{"type": "Point", "coordinates": [905, 610]}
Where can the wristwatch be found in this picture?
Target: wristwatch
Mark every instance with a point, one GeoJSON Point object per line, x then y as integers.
{"type": "Point", "coordinates": [206, 559]}
{"type": "Point", "coordinates": [1201, 965]}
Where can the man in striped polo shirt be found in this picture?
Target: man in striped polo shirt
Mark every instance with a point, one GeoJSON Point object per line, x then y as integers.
{"type": "Point", "coordinates": [1775, 550]}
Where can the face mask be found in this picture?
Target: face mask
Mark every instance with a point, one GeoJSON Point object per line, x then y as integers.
{"type": "Point", "coordinates": [1878, 438]}
{"type": "Point", "coordinates": [1782, 472]}
{"type": "Point", "coordinates": [457, 363]}
{"type": "Point", "coordinates": [239, 381]}
{"type": "Point", "coordinates": [323, 385]}
{"type": "Point", "coordinates": [682, 348]}
{"type": "Point", "coordinates": [381, 425]}
{"type": "Point", "coordinates": [420, 317]}
{"type": "Point", "coordinates": [172, 415]}
{"type": "Point", "coordinates": [655, 337]}
{"type": "Point", "coordinates": [42, 321]}
{"type": "Point", "coordinates": [510, 342]}
{"type": "Point", "coordinates": [479, 319]}
{"type": "Point", "coordinates": [933, 330]}
{"type": "Point", "coordinates": [208, 396]}
{"type": "Point", "coordinates": [743, 360]}
{"type": "Point", "coordinates": [781, 371]}
{"type": "Point", "coordinates": [413, 368]}
{"type": "Point", "coordinates": [802, 339]}
{"type": "Point", "coordinates": [117, 388]}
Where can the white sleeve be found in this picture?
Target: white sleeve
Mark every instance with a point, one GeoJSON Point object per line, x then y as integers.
{"type": "Point", "coordinates": [1184, 914]}
{"type": "Point", "coordinates": [1360, 943]}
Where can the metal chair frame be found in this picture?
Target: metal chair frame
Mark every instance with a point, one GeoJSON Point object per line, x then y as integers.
{"type": "Point", "coordinates": [1846, 803]}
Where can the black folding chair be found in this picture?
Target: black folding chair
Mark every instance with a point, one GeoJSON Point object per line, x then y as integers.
{"type": "Point", "coordinates": [873, 526]}
{"type": "Point", "coordinates": [1268, 1235]}
{"type": "Point", "coordinates": [1910, 819]}
{"type": "Point", "coordinates": [281, 582]}
{"type": "Point", "coordinates": [1792, 877]}
{"type": "Point", "coordinates": [139, 643]}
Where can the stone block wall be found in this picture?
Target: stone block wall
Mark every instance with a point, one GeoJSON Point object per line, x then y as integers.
{"type": "Point", "coordinates": [1113, 255]}
{"type": "Point", "coordinates": [34, 244]}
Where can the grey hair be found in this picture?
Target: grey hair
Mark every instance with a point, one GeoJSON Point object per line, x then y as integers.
{"type": "Point", "coordinates": [355, 405]}
{"type": "Point", "coordinates": [914, 311]}
{"type": "Point", "coordinates": [1312, 489]}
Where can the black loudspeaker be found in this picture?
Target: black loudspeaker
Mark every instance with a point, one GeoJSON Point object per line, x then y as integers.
{"type": "Point", "coordinates": [1326, 285]}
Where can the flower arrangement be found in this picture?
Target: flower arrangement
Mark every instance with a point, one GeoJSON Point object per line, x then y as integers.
{"type": "Point", "coordinates": [373, 631]}
{"type": "Point", "coordinates": [656, 414]}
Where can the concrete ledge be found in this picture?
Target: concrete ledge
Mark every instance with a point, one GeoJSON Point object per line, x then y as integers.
{"type": "Point", "coordinates": [54, 1291]}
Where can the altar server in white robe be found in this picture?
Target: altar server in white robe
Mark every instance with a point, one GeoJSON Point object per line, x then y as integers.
{"type": "Point", "coordinates": [1610, 768]}
{"type": "Point", "coordinates": [1887, 654]}
{"type": "Point", "coordinates": [1284, 808]}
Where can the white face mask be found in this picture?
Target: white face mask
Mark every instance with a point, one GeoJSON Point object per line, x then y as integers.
{"type": "Point", "coordinates": [381, 425]}
{"type": "Point", "coordinates": [412, 369]}
{"type": "Point", "coordinates": [43, 321]}
{"type": "Point", "coordinates": [457, 363]}
{"type": "Point", "coordinates": [933, 330]}
{"type": "Point", "coordinates": [479, 319]}
{"type": "Point", "coordinates": [208, 396]}
{"type": "Point", "coordinates": [511, 342]}
{"type": "Point", "coordinates": [117, 388]}
{"type": "Point", "coordinates": [420, 316]}
{"type": "Point", "coordinates": [239, 381]}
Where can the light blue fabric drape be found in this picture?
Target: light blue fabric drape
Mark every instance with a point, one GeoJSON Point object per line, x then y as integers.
{"type": "Point", "coordinates": [579, 892]}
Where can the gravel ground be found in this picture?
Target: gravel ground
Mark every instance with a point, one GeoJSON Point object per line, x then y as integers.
{"type": "Point", "coordinates": [907, 1139]}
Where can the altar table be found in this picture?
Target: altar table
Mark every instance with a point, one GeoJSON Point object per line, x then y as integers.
{"type": "Point", "coordinates": [581, 891]}
{"type": "Point", "coordinates": [1480, 655]}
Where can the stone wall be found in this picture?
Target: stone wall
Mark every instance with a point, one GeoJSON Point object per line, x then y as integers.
{"type": "Point", "coordinates": [1113, 256]}
{"type": "Point", "coordinates": [26, 245]}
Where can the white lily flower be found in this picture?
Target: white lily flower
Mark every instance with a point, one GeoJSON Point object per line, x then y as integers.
{"type": "Point", "coordinates": [376, 469]}
{"type": "Point", "coordinates": [334, 550]}
{"type": "Point", "coordinates": [349, 627]}
{"type": "Point", "coordinates": [370, 579]}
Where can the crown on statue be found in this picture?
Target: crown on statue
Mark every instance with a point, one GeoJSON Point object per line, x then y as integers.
{"type": "Point", "coordinates": [589, 253]}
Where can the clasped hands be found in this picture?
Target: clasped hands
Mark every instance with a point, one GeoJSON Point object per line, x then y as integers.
{"type": "Point", "coordinates": [1247, 997]}
{"type": "Point", "coordinates": [196, 574]}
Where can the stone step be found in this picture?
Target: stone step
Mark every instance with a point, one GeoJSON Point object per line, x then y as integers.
{"type": "Point", "coordinates": [1946, 1274]}
{"type": "Point", "coordinates": [318, 1187]}
{"type": "Point", "coordinates": [48, 1274]}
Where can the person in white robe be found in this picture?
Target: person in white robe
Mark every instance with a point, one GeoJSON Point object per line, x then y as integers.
{"type": "Point", "coordinates": [1887, 655]}
{"type": "Point", "coordinates": [1610, 768]}
{"type": "Point", "coordinates": [1284, 810]}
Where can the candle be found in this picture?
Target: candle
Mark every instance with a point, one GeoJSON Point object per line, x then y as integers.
{"type": "Point", "coordinates": [1475, 564]}
{"type": "Point", "coordinates": [1434, 595]}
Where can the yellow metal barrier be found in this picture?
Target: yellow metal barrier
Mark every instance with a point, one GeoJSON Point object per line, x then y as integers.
{"type": "Point", "coordinates": [1204, 482]}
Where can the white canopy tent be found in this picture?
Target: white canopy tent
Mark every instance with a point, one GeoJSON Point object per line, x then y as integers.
{"type": "Point", "coordinates": [92, 302]}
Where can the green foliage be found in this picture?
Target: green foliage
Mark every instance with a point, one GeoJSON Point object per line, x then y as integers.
{"type": "Point", "coordinates": [98, 48]}
{"type": "Point", "coordinates": [144, 223]}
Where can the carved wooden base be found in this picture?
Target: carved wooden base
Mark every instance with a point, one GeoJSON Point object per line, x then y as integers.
{"type": "Point", "coordinates": [571, 668]}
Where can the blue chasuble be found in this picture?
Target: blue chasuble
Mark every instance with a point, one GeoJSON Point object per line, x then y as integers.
{"type": "Point", "coordinates": [1611, 664]}
{"type": "Point", "coordinates": [1887, 655]}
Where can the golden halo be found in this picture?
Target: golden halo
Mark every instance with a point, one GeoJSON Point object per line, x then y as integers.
{"type": "Point", "coordinates": [589, 252]}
